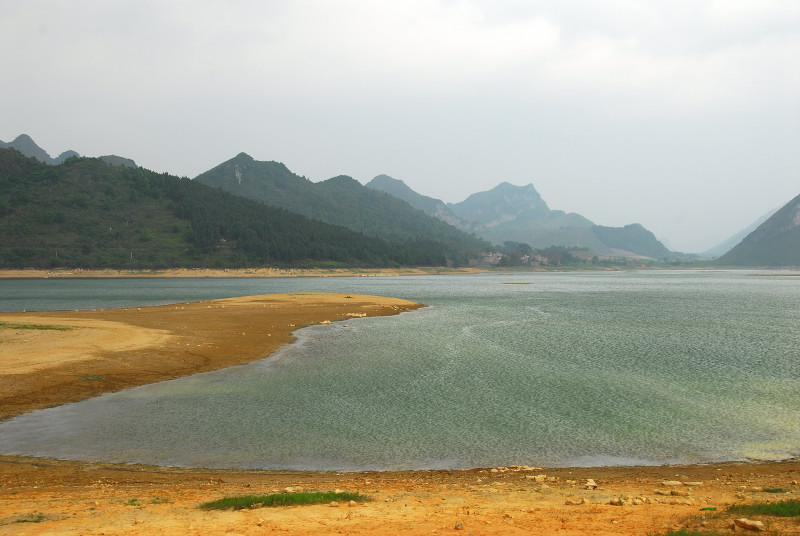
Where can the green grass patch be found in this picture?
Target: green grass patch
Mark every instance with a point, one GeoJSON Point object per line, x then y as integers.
{"type": "Point", "coordinates": [776, 490]}
{"type": "Point", "coordinates": [33, 517]}
{"type": "Point", "coordinates": [790, 508]}
{"type": "Point", "coordinates": [281, 499]}
{"type": "Point", "coordinates": [51, 327]}
{"type": "Point", "coordinates": [90, 377]}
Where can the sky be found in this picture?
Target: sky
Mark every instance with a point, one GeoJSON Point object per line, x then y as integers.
{"type": "Point", "coordinates": [681, 115]}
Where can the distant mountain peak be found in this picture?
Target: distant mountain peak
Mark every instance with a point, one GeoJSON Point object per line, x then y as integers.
{"type": "Point", "coordinates": [342, 179]}
{"type": "Point", "coordinates": [25, 145]}
{"type": "Point", "coordinates": [504, 202]}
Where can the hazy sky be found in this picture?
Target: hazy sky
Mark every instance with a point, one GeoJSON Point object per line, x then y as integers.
{"type": "Point", "coordinates": [682, 115]}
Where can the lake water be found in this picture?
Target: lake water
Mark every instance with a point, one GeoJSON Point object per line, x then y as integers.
{"type": "Point", "coordinates": [545, 369]}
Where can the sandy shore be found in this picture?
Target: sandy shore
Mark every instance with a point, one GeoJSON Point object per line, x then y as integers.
{"type": "Point", "coordinates": [92, 352]}
{"type": "Point", "coordinates": [107, 350]}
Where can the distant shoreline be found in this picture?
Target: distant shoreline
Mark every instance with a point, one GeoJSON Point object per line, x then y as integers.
{"type": "Point", "coordinates": [78, 273]}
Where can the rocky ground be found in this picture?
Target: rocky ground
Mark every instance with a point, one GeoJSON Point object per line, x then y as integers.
{"type": "Point", "coordinates": [52, 497]}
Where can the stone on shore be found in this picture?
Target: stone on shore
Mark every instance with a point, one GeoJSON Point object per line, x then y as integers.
{"type": "Point", "coordinates": [749, 524]}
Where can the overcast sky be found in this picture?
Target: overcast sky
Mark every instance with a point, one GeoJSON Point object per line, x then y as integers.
{"type": "Point", "coordinates": [683, 116]}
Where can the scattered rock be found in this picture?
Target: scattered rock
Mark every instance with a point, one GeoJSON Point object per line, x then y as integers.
{"type": "Point", "coordinates": [352, 503]}
{"type": "Point", "coordinates": [590, 484]}
{"type": "Point", "coordinates": [672, 483]}
{"type": "Point", "coordinates": [574, 502]}
{"type": "Point", "coordinates": [524, 468]}
{"type": "Point", "coordinates": [334, 504]}
{"type": "Point", "coordinates": [695, 484]}
{"type": "Point", "coordinates": [749, 524]}
{"type": "Point", "coordinates": [459, 526]}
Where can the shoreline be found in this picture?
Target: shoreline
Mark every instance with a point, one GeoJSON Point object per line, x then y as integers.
{"type": "Point", "coordinates": [80, 273]}
{"type": "Point", "coordinates": [45, 367]}
{"type": "Point", "coordinates": [50, 358]}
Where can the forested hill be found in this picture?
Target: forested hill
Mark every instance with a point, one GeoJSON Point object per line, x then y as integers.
{"type": "Point", "coordinates": [774, 243]}
{"type": "Point", "coordinates": [340, 200]}
{"type": "Point", "coordinates": [86, 213]}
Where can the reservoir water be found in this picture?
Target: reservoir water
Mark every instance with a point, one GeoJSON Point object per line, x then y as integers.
{"type": "Point", "coordinates": [545, 369]}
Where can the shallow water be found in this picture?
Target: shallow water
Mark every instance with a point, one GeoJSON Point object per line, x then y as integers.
{"type": "Point", "coordinates": [563, 369]}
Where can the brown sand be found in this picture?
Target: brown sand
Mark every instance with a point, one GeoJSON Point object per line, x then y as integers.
{"type": "Point", "coordinates": [115, 349]}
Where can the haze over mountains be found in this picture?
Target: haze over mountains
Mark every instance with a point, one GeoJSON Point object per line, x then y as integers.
{"type": "Point", "coordinates": [387, 209]}
{"type": "Point", "coordinates": [25, 145]}
{"type": "Point", "coordinates": [519, 214]}
{"type": "Point", "coordinates": [776, 242]}
{"type": "Point", "coordinates": [734, 240]}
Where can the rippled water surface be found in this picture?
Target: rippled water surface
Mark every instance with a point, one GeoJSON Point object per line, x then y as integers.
{"type": "Point", "coordinates": [555, 369]}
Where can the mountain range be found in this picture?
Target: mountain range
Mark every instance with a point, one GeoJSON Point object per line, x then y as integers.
{"type": "Point", "coordinates": [339, 201]}
{"type": "Point", "coordinates": [387, 209]}
{"type": "Point", "coordinates": [86, 213]}
{"type": "Point", "coordinates": [519, 214]}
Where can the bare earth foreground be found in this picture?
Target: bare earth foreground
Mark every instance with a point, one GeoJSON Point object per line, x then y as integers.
{"type": "Point", "coordinates": [109, 350]}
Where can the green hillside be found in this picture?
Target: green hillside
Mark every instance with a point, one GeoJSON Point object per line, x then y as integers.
{"type": "Point", "coordinates": [428, 205]}
{"type": "Point", "coordinates": [87, 213]}
{"type": "Point", "coordinates": [774, 243]}
{"type": "Point", "coordinates": [339, 201]}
